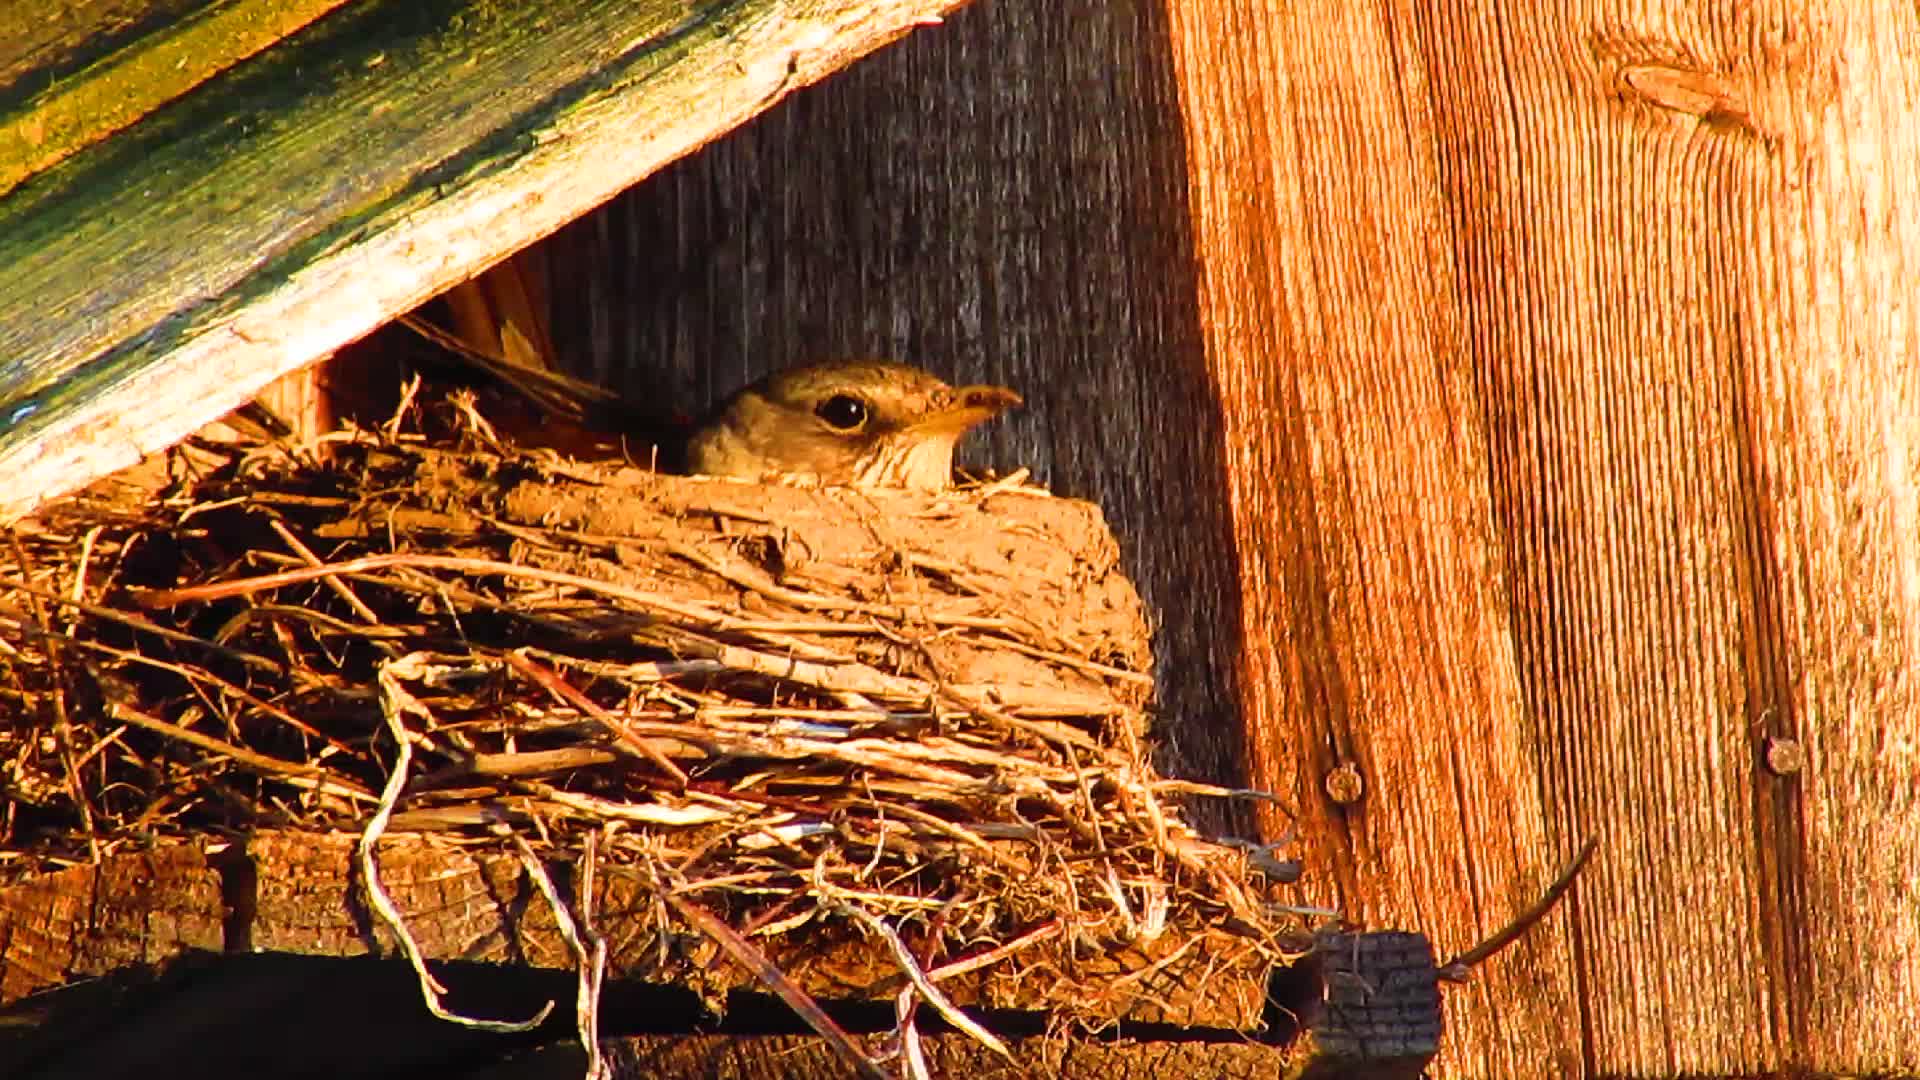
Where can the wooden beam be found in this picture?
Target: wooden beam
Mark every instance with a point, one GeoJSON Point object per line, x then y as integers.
{"type": "Point", "coordinates": [154, 281]}
{"type": "Point", "coordinates": [299, 893]}
{"type": "Point", "coordinates": [90, 951]}
{"type": "Point", "coordinates": [144, 909]}
{"type": "Point", "coordinates": [1571, 373]}
{"type": "Point", "coordinates": [136, 77]}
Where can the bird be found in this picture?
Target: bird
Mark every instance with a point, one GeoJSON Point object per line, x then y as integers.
{"type": "Point", "coordinates": [864, 423]}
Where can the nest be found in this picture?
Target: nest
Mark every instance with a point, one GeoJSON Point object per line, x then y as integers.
{"type": "Point", "coordinates": [808, 720]}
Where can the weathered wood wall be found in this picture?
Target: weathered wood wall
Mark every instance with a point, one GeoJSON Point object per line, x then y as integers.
{"type": "Point", "coordinates": [1547, 374]}
{"type": "Point", "coordinates": [1572, 378]}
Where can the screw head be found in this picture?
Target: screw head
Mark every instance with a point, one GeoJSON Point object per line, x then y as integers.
{"type": "Point", "coordinates": [1345, 784]}
{"type": "Point", "coordinates": [1785, 756]}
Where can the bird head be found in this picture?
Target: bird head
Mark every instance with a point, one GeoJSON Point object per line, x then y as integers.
{"type": "Point", "coordinates": [864, 424]}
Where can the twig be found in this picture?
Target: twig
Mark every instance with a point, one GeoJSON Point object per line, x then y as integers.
{"type": "Point", "coordinates": [194, 674]}
{"type": "Point", "coordinates": [947, 828]}
{"type": "Point", "coordinates": [339, 587]}
{"type": "Point", "coordinates": [409, 390]}
{"type": "Point", "coordinates": [1455, 970]}
{"type": "Point", "coordinates": [145, 626]}
{"type": "Point", "coordinates": [81, 563]}
{"type": "Point", "coordinates": [588, 1007]}
{"type": "Point", "coordinates": [396, 702]}
{"type": "Point", "coordinates": [565, 691]}
{"type": "Point", "coordinates": [590, 961]}
{"type": "Point", "coordinates": [1138, 678]}
{"type": "Point", "coordinates": [1192, 787]}
{"type": "Point", "coordinates": [1044, 932]}
{"type": "Point", "coordinates": [63, 723]}
{"type": "Point", "coordinates": [531, 762]}
{"type": "Point", "coordinates": [930, 993]}
{"type": "Point", "coordinates": [292, 772]}
{"type": "Point", "coordinates": [905, 1005]}
{"type": "Point", "coordinates": [159, 598]}
{"type": "Point", "coordinates": [775, 980]}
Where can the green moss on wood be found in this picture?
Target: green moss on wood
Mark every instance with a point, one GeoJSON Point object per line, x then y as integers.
{"type": "Point", "coordinates": [132, 81]}
{"type": "Point", "coordinates": [109, 258]}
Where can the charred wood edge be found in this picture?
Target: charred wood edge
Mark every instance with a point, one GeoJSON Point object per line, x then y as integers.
{"type": "Point", "coordinates": [1359, 1004]}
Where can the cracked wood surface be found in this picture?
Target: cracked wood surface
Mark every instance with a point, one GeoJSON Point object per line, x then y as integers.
{"type": "Point", "coordinates": [297, 893]}
{"type": "Point", "coordinates": [155, 955]}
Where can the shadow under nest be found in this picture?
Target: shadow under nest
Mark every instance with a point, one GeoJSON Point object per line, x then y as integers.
{"type": "Point", "coordinates": [876, 740]}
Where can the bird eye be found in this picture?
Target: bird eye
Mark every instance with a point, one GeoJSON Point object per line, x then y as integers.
{"type": "Point", "coordinates": [842, 412]}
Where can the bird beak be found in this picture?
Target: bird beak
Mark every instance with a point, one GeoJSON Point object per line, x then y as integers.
{"type": "Point", "coordinates": [972, 405]}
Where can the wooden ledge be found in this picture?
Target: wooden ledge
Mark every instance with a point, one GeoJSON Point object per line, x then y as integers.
{"type": "Point", "coordinates": [82, 942]}
{"type": "Point", "coordinates": [298, 893]}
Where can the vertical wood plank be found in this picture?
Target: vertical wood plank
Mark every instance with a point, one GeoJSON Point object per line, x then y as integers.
{"type": "Point", "coordinates": [1572, 374]}
{"type": "Point", "coordinates": [1377, 634]}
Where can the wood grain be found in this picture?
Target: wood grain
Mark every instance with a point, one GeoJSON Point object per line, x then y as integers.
{"type": "Point", "coordinates": [1375, 630]}
{"type": "Point", "coordinates": [41, 44]}
{"type": "Point", "coordinates": [298, 893]}
{"type": "Point", "coordinates": [1572, 378]}
{"type": "Point", "coordinates": [137, 909]}
{"type": "Point", "coordinates": [134, 74]}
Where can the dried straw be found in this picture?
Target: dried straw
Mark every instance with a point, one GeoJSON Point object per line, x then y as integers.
{"type": "Point", "coordinates": [808, 716]}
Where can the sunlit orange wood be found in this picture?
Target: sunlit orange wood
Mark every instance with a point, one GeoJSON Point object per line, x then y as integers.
{"type": "Point", "coordinates": [1572, 390]}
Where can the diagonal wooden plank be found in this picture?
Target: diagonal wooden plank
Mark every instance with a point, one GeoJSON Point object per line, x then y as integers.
{"type": "Point", "coordinates": [42, 43]}
{"type": "Point", "coordinates": [152, 282]}
{"type": "Point", "coordinates": [135, 77]}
